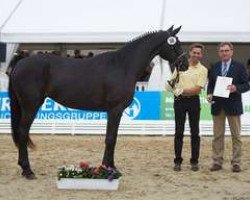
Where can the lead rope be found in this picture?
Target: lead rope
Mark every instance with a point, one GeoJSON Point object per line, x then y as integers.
{"type": "Point", "coordinates": [175, 80]}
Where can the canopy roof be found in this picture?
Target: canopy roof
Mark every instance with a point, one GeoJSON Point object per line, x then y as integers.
{"type": "Point", "coordinates": [118, 21]}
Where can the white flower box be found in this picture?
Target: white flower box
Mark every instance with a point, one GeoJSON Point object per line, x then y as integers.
{"type": "Point", "coordinates": [87, 184]}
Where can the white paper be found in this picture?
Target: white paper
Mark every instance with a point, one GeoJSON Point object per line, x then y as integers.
{"type": "Point", "coordinates": [220, 89]}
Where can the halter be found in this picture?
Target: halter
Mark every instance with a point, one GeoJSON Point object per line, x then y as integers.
{"type": "Point", "coordinates": [178, 59]}
{"type": "Point", "coordinates": [177, 64]}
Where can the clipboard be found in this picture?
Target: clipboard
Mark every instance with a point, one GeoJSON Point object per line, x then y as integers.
{"type": "Point", "coordinates": [220, 89]}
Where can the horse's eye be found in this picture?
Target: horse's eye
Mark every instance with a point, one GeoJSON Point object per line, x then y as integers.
{"type": "Point", "coordinates": [171, 40]}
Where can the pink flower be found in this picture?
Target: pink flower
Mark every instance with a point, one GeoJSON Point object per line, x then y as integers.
{"type": "Point", "coordinates": [84, 164]}
{"type": "Point", "coordinates": [96, 171]}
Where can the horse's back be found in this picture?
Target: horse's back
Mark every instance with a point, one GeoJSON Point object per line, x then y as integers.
{"type": "Point", "coordinates": [98, 82]}
{"type": "Point", "coordinates": [31, 65]}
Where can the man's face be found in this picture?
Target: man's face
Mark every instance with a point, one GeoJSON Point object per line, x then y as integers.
{"type": "Point", "coordinates": [225, 53]}
{"type": "Point", "coordinates": [195, 54]}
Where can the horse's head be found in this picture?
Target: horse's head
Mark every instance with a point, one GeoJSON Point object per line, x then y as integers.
{"type": "Point", "coordinates": [172, 51]}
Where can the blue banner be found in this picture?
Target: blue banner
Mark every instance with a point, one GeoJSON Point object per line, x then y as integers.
{"type": "Point", "coordinates": [145, 106]}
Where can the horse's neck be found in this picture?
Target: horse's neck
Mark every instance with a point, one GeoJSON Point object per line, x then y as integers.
{"type": "Point", "coordinates": [140, 54]}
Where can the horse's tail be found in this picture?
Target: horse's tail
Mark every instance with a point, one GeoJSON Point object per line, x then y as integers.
{"type": "Point", "coordinates": [15, 110]}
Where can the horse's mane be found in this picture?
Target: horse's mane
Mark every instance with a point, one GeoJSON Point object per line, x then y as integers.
{"type": "Point", "coordinates": [141, 39]}
{"type": "Point", "coordinates": [144, 37]}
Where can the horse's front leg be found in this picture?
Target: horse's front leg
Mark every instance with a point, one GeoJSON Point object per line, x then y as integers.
{"type": "Point", "coordinates": [114, 117]}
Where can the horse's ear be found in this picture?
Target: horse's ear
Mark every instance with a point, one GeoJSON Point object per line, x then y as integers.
{"type": "Point", "coordinates": [171, 29]}
{"type": "Point", "coordinates": [175, 31]}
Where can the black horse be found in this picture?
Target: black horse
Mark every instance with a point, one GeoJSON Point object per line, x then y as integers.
{"type": "Point", "coordinates": [105, 82]}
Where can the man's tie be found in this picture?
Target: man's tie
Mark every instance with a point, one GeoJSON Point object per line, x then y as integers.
{"type": "Point", "coordinates": [224, 69]}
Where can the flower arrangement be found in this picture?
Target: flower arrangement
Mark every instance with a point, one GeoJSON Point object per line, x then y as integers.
{"type": "Point", "coordinates": [85, 170]}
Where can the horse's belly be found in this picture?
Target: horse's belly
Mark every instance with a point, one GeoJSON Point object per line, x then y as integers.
{"type": "Point", "coordinates": [81, 103]}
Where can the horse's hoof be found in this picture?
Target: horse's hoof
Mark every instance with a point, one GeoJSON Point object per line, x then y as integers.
{"type": "Point", "coordinates": [29, 176]}
{"type": "Point", "coordinates": [117, 171]}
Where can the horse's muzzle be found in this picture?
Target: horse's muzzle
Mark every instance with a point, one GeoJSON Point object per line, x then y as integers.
{"type": "Point", "coordinates": [182, 62]}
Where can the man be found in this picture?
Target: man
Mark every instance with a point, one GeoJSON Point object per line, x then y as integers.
{"type": "Point", "coordinates": [77, 53]}
{"type": "Point", "coordinates": [187, 101]}
{"type": "Point", "coordinates": [230, 108]}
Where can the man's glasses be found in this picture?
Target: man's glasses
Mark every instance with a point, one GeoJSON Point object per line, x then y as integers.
{"type": "Point", "coordinates": [225, 50]}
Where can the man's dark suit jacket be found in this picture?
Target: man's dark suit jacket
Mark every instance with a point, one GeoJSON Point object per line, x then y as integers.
{"type": "Point", "coordinates": [233, 104]}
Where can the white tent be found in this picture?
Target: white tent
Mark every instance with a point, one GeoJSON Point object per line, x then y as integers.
{"type": "Point", "coordinates": [111, 21]}
{"type": "Point", "coordinates": [6, 9]}
{"type": "Point", "coordinates": [118, 21]}
{"type": "Point", "coordinates": [79, 21]}
{"type": "Point", "coordinates": [210, 20]}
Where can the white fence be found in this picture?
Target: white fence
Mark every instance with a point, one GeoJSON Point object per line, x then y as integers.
{"type": "Point", "coordinates": [96, 127]}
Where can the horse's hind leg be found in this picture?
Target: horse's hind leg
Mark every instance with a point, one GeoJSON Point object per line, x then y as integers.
{"type": "Point", "coordinates": [114, 117]}
{"type": "Point", "coordinates": [28, 114]}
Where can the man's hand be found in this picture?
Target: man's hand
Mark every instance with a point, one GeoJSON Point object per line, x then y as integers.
{"type": "Point", "coordinates": [177, 91]}
{"type": "Point", "coordinates": [232, 88]}
{"type": "Point", "coordinates": [210, 98]}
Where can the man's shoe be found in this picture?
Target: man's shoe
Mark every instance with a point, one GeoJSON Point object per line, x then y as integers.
{"type": "Point", "coordinates": [195, 167]}
{"type": "Point", "coordinates": [236, 168]}
{"type": "Point", "coordinates": [177, 167]}
{"type": "Point", "coordinates": [215, 167]}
